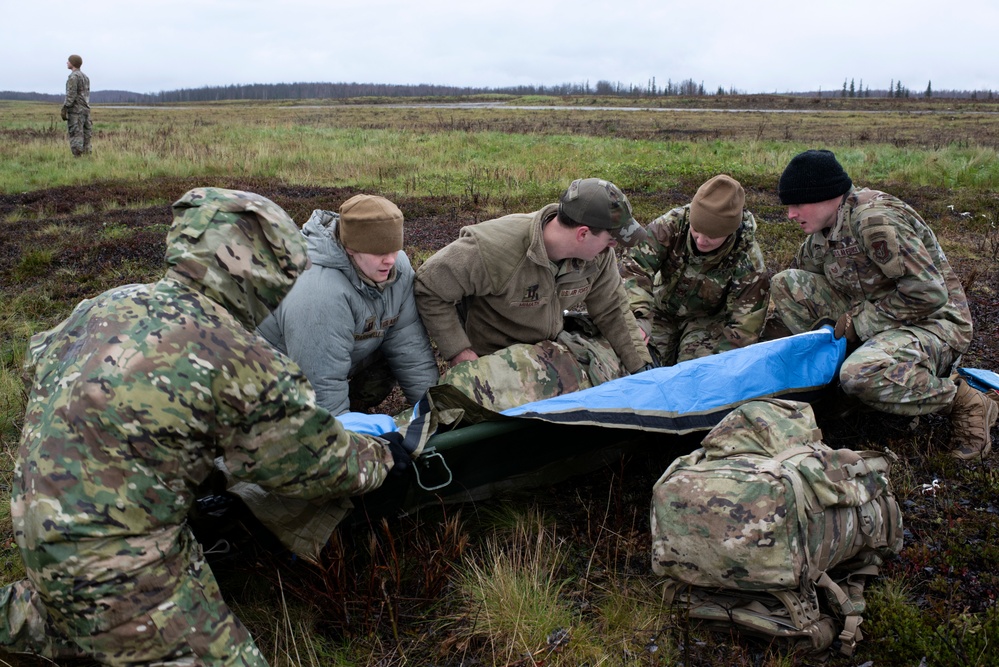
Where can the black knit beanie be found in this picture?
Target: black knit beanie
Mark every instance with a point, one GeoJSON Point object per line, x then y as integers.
{"type": "Point", "coordinates": [812, 176]}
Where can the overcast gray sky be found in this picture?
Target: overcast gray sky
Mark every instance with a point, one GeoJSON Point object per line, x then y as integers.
{"type": "Point", "coordinates": [756, 46]}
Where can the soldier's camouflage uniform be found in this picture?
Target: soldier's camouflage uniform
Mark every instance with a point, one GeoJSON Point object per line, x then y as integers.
{"type": "Point", "coordinates": [696, 304]}
{"type": "Point", "coordinates": [881, 262]}
{"type": "Point", "coordinates": [524, 373]}
{"type": "Point", "coordinates": [77, 110]}
{"type": "Point", "coordinates": [132, 397]}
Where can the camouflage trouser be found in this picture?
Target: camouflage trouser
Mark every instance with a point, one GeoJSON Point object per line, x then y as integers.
{"type": "Point", "coordinates": [79, 127]}
{"type": "Point", "coordinates": [801, 299]}
{"type": "Point", "coordinates": [25, 626]}
{"type": "Point", "coordinates": [167, 611]}
{"type": "Point", "coordinates": [370, 382]}
{"type": "Point", "coordinates": [679, 341]}
{"type": "Point", "coordinates": [523, 373]}
{"type": "Point", "coordinates": [902, 371]}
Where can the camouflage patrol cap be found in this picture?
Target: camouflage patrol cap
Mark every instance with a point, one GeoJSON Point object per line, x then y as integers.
{"type": "Point", "coordinates": [240, 249]}
{"type": "Point", "coordinates": [600, 204]}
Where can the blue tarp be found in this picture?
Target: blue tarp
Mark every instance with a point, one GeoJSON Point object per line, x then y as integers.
{"type": "Point", "coordinates": [981, 380]}
{"type": "Point", "coordinates": [696, 394]}
{"type": "Point", "coordinates": [693, 395]}
{"type": "Point", "coordinates": [690, 396]}
{"type": "Point", "coordinates": [361, 422]}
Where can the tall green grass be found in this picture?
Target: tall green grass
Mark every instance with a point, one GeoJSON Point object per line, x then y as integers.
{"type": "Point", "coordinates": [12, 392]}
{"type": "Point", "coordinates": [414, 152]}
{"type": "Point", "coordinates": [516, 603]}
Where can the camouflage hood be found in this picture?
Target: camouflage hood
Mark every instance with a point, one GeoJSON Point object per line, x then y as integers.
{"type": "Point", "coordinates": [240, 249]}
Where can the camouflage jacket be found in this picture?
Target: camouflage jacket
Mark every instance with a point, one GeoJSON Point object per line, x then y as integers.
{"type": "Point", "coordinates": [666, 276]}
{"type": "Point", "coordinates": [77, 93]}
{"type": "Point", "coordinates": [140, 388]}
{"type": "Point", "coordinates": [512, 293]}
{"type": "Point", "coordinates": [886, 259]}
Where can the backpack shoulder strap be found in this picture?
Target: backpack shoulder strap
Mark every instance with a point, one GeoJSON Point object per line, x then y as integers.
{"type": "Point", "coordinates": [802, 502]}
{"type": "Point", "coordinates": [850, 602]}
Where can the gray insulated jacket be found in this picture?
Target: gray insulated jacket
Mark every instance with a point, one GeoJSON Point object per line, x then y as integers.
{"type": "Point", "coordinates": [332, 320]}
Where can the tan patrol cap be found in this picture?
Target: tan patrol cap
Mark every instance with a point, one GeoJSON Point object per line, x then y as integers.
{"type": "Point", "coordinates": [716, 210]}
{"type": "Point", "coordinates": [370, 224]}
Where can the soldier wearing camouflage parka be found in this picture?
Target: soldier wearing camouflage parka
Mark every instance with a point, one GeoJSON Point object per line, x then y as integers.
{"type": "Point", "coordinates": [697, 284]}
{"type": "Point", "coordinates": [76, 107]}
{"type": "Point", "coordinates": [132, 397]}
{"type": "Point", "coordinates": [872, 265]}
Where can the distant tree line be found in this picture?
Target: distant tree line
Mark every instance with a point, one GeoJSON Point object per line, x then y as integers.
{"type": "Point", "coordinates": [897, 90]}
{"type": "Point", "coordinates": [304, 91]}
{"type": "Point", "coordinates": [96, 97]}
{"type": "Point", "coordinates": [299, 91]}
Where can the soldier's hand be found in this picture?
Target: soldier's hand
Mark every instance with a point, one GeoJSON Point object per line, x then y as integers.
{"type": "Point", "coordinates": [64, 113]}
{"type": "Point", "coordinates": [465, 355]}
{"type": "Point", "coordinates": [644, 327]}
{"type": "Point", "coordinates": [402, 452]}
{"type": "Point", "coordinates": [844, 328]}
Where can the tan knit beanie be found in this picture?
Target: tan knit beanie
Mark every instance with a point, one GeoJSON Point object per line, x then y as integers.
{"type": "Point", "coordinates": [370, 224]}
{"type": "Point", "coordinates": [76, 61]}
{"type": "Point", "coordinates": [716, 210]}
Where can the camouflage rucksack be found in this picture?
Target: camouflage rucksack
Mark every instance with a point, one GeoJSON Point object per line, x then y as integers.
{"type": "Point", "coordinates": [751, 525]}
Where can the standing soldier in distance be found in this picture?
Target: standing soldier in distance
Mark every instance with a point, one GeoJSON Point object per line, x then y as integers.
{"type": "Point", "coordinates": [76, 108]}
{"type": "Point", "coordinates": [874, 267]}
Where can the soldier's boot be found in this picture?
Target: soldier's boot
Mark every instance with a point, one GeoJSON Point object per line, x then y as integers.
{"type": "Point", "coordinates": [971, 418]}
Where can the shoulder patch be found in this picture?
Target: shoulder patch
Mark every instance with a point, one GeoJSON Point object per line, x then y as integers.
{"type": "Point", "coordinates": [882, 246]}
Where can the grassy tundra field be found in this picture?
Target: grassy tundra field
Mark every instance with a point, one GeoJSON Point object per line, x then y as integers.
{"type": "Point", "coordinates": [560, 576]}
